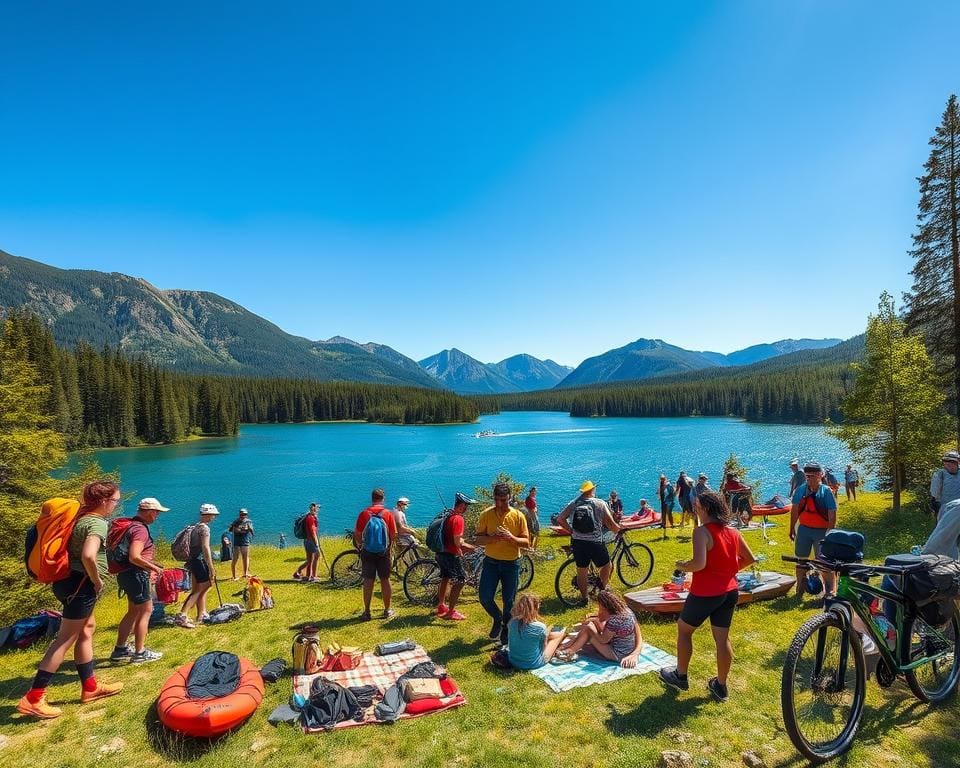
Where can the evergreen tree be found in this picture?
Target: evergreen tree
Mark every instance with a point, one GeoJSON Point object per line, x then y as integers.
{"type": "Point", "coordinates": [894, 423]}
{"type": "Point", "coordinates": [933, 304]}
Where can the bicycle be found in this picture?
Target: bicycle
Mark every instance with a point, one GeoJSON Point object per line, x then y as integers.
{"type": "Point", "coordinates": [421, 582]}
{"type": "Point", "coordinates": [633, 563]}
{"type": "Point", "coordinates": [345, 570]}
{"type": "Point", "coordinates": [823, 687]}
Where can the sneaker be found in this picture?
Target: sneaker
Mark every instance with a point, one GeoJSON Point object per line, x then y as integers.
{"type": "Point", "coordinates": [495, 630]}
{"type": "Point", "coordinates": [204, 618]}
{"type": "Point", "coordinates": [454, 615]}
{"type": "Point", "coordinates": [442, 610]}
{"type": "Point", "coordinates": [182, 620]}
{"type": "Point", "coordinates": [365, 616]}
{"type": "Point", "coordinates": [672, 678]}
{"type": "Point", "coordinates": [313, 580]}
{"type": "Point", "coordinates": [102, 691]}
{"type": "Point", "coordinates": [121, 652]}
{"type": "Point", "coordinates": [145, 655]}
{"type": "Point", "coordinates": [717, 690]}
{"type": "Point", "coordinates": [296, 576]}
{"type": "Point", "coordinates": [388, 613]}
{"type": "Point", "coordinates": [39, 709]}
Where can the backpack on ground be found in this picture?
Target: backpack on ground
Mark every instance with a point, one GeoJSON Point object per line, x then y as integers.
{"type": "Point", "coordinates": [435, 531]}
{"type": "Point", "coordinates": [256, 595]}
{"type": "Point", "coordinates": [168, 585]}
{"type": "Point", "coordinates": [223, 614]}
{"type": "Point", "coordinates": [181, 548]}
{"type": "Point", "coordinates": [45, 549]}
{"type": "Point", "coordinates": [374, 537]}
{"type": "Point", "coordinates": [300, 527]}
{"type": "Point", "coordinates": [583, 519]}
{"type": "Point", "coordinates": [24, 632]}
{"type": "Point", "coordinates": [118, 544]}
{"type": "Point", "coordinates": [306, 652]}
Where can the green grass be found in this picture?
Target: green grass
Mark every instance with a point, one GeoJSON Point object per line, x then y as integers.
{"type": "Point", "coordinates": [511, 718]}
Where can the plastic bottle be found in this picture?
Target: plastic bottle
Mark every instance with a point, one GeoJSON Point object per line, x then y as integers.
{"type": "Point", "coordinates": [916, 549]}
{"type": "Point", "coordinates": [678, 578]}
{"type": "Point", "coordinates": [887, 630]}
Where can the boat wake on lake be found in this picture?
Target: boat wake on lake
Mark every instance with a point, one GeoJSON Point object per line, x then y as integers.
{"type": "Point", "coordinates": [540, 432]}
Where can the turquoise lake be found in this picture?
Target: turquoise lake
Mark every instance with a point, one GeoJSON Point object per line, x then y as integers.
{"type": "Point", "coordinates": [276, 470]}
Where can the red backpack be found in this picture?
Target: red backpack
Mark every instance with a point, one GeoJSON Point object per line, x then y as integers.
{"type": "Point", "coordinates": [118, 544]}
{"type": "Point", "coordinates": [168, 585]}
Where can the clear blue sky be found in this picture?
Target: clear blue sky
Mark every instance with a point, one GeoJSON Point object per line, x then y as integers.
{"type": "Point", "coordinates": [550, 178]}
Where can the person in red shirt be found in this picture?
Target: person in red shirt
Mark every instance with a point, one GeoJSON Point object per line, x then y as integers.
{"type": "Point", "coordinates": [738, 497]}
{"type": "Point", "coordinates": [719, 552]}
{"type": "Point", "coordinates": [307, 570]}
{"type": "Point", "coordinates": [373, 535]}
{"type": "Point", "coordinates": [450, 561]}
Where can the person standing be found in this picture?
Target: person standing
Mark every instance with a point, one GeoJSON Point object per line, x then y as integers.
{"type": "Point", "coordinates": [531, 512]}
{"type": "Point", "coordinates": [685, 496]}
{"type": "Point", "coordinates": [373, 535]}
{"type": "Point", "coordinates": [796, 477]}
{"type": "Point", "coordinates": [201, 569]}
{"type": "Point", "coordinates": [135, 578]}
{"type": "Point", "coordinates": [719, 552]}
{"type": "Point", "coordinates": [406, 536]}
{"type": "Point", "coordinates": [502, 531]}
{"type": "Point", "coordinates": [307, 570]}
{"type": "Point", "coordinates": [850, 480]}
{"type": "Point", "coordinates": [242, 530]}
{"type": "Point", "coordinates": [78, 593]}
{"type": "Point", "coordinates": [814, 512]}
{"type": "Point", "coordinates": [585, 519]}
{"type": "Point", "coordinates": [450, 561]}
{"type": "Point", "coordinates": [945, 483]}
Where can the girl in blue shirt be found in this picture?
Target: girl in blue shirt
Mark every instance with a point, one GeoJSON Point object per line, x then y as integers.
{"type": "Point", "coordinates": [529, 644]}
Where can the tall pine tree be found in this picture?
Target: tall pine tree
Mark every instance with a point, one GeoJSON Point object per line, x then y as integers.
{"type": "Point", "coordinates": [933, 304]}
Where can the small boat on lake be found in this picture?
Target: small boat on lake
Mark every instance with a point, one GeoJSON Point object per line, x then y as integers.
{"type": "Point", "coordinates": [485, 433]}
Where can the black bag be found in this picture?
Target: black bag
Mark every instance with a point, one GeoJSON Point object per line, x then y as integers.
{"type": "Point", "coordinates": [273, 670]}
{"type": "Point", "coordinates": [842, 546]}
{"type": "Point", "coordinates": [329, 703]}
{"type": "Point", "coordinates": [583, 519]}
{"type": "Point", "coordinates": [937, 579]}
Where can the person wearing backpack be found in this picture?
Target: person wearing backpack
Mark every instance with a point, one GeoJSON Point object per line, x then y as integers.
{"type": "Point", "coordinates": [814, 512]}
{"type": "Point", "coordinates": [307, 528]}
{"type": "Point", "coordinates": [450, 560]}
{"type": "Point", "coordinates": [373, 535]}
{"type": "Point", "coordinates": [200, 565]}
{"type": "Point", "coordinates": [132, 553]}
{"type": "Point", "coordinates": [502, 532]}
{"type": "Point", "coordinates": [242, 530]}
{"type": "Point", "coordinates": [945, 483]}
{"type": "Point", "coordinates": [585, 519]}
{"type": "Point", "coordinates": [78, 593]}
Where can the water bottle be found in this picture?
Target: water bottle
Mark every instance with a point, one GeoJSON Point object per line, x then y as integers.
{"type": "Point", "coordinates": [916, 549]}
{"type": "Point", "coordinates": [887, 631]}
{"type": "Point", "coordinates": [678, 578]}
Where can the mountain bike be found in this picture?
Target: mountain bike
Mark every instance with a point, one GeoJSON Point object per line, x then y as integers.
{"type": "Point", "coordinates": [422, 579]}
{"type": "Point", "coordinates": [345, 569]}
{"type": "Point", "coordinates": [824, 683]}
{"type": "Point", "coordinates": [633, 563]}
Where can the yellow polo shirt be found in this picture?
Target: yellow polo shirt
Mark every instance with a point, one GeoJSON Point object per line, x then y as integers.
{"type": "Point", "coordinates": [513, 520]}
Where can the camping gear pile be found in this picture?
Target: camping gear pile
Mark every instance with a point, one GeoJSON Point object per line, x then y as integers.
{"type": "Point", "coordinates": [43, 625]}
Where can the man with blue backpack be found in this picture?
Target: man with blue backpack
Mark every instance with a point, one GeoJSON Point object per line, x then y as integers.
{"type": "Point", "coordinates": [373, 535]}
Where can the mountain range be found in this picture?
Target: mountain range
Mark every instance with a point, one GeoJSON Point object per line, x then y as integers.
{"type": "Point", "coordinates": [199, 331]}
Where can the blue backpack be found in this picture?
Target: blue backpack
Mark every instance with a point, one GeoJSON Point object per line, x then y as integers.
{"type": "Point", "coordinates": [375, 538]}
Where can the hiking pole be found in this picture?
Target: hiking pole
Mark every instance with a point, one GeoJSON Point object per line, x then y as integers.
{"type": "Point", "coordinates": [216, 583]}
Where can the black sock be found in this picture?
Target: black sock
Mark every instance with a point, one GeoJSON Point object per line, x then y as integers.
{"type": "Point", "coordinates": [85, 670]}
{"type": "Point", "coordinates": [42, 679]}
{"type": "Point", "coordinates": [681, 675]}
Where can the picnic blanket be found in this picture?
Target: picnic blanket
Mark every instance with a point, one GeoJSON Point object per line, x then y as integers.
{"type": "Point", "coordinates": [379, 671]}
{"type": "Point", "coordinates": [591, 670]}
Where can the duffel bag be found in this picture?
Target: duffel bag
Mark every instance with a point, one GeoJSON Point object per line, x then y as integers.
{"type": "Point", "coordinates": [936, 579]}
{"type": "Point", "coordinates": [842, 546]}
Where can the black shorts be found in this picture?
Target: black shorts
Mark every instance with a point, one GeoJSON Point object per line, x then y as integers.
{"type": "Point", "coordinates": [135, 583]}
{"type": "Point", "coordinates": [719, 609]}
{"type": "Point", "coordinates": [586, 552]}
{"type": "Point", "coordinates": [375, 564]}
{"type": "Point", "coordinates": [451, 567]}
{"type": "Point", "coordinates": [198, 569]}
{"type": "Point", "coordinates": [77, 595]}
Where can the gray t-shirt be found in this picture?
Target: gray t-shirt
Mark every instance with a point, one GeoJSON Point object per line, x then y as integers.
{"type": "Point", "coordinates": [945, 539]}
{"type": "Point", "coordinates": [945, 487]}
{"type": "Point", "coordinates": [597, 508]}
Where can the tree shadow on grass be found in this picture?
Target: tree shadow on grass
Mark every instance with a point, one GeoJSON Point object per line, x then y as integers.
{"type": "Point", "coordinates": [173, 746]}
{"type": "Point", "coordinates": [458, 648]}
{"type": "Point", "coordinates": [655, 714]}
{"type": "Point", "coordinates": [416, 620]}
{"type": "Point", "coordinates": [326, 624]}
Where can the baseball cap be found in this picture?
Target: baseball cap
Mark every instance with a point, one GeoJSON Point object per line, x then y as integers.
{"type": "Point", "coordinates": [703, 475]}
{"type": "Point", "coordinates": [812, 466]}
{"type": "Point", "coordinates": [587, 485]}
{"type": "Point", "coordinates": [403, 500]}
{"type": "Point", "coordinates": [795, 463]}
{"type": "Point", "coordinates": [152, 503]}
{"type": "Point", "coordinates": [951, 456]}
{"type": "Point", "coordinates": [464, 499]}
{"type": "Point", "coordinates": [209, 509]}
{"type": "Point", "coordinates": [243, 511]}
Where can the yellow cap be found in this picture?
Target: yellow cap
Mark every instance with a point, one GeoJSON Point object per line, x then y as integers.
{"type": "Point", "coordinates": [588, 485]}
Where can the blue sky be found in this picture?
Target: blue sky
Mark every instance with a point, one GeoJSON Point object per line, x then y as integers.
{"type": "Point", "coordinates": [551, 178]}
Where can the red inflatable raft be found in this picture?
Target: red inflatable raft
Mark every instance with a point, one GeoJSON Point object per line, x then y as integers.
{"type": "Point", "coordinates": [209, 717]}
{"type": "Point", "coordinates": [767, 510]}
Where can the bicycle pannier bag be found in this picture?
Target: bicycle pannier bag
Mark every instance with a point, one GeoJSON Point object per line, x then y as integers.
{"type": "Point", "coordinates": [842, 546]}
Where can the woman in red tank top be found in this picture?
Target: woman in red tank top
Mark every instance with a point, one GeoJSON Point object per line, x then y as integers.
{"type": "Point", "coordinates": [719, 551]}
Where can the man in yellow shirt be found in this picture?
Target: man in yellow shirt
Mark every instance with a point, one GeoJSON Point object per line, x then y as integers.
{"type": "Point", "coordinates": [502, 531]}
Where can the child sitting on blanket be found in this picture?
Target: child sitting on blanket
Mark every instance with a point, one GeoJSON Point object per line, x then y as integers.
{"type": "Point", "coordinates": [613, 632]}
{"type": "Point", "coordinates": [529, 644]}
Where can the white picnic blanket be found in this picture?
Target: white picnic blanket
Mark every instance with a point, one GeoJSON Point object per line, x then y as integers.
{"type": "Point", "coordinates": [590, 670]}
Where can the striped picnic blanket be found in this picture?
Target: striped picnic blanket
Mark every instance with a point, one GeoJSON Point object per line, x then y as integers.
{"type": "Point", "coordinates": [591, 670]}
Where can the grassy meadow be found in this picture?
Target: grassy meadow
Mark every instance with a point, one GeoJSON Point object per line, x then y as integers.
{"type": "Point", "coordinates": [511, 718]}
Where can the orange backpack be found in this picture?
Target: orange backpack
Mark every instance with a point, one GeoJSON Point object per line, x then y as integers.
{"type": "Point", "coordinates": [45, 553]}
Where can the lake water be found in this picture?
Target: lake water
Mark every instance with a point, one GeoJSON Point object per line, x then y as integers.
{"type": "Point", "coordinates": [276, 470]}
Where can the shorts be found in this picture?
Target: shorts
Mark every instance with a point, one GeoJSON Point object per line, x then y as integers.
{"type": "Point", "coordinates": [76, 594]}
{"type": "Point", "coordinates": [135, 583]}
{"type": "Point", "coordinates": [451, 567]}
{"type": "Point", "coordinates": [375, 564]}
{"type": "Point", "coordinates": [586, 552]}
{"type": "Point", "coordinates": [310, 547]}
{"type": "Point", "coordinates": [719, 609]}
{"type": "Point", "coordinates": [807, 539]}
{"type": "Point", "coordinates": [198, 569]}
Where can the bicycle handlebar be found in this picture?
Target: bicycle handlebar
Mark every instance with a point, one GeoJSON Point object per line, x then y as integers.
{"type": "Point", "coordinates": [848, 568]}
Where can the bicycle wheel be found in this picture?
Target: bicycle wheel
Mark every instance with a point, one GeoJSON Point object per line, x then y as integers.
{"type": "Point", "coordinates": [823, 687]}
{"type": "Point", "coordinates": [526, 572]}
{"type": "Point", "coordinates": [404, 560]}
{"type": "Point", "coordinates": [935, 680]}
{"type": "Point", "coordinates": [634, 564]}
{"type": "Point", "coordinates": [345, 570]}
{"type": "Point", "coordinates": [565, 584]}
{"type": "Point", "coordinates": [421, 582]}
